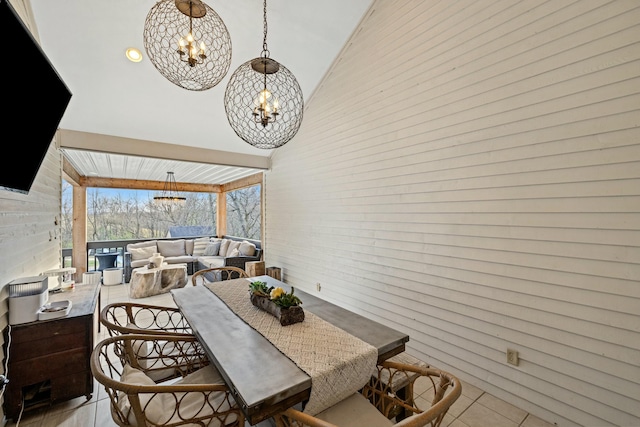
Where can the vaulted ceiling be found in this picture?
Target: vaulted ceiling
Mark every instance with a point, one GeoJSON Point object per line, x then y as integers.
{"type": "Point", "coordinates": [126, 121]}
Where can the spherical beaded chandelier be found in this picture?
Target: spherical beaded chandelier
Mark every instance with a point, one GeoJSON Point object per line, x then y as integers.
{"type": "Point", "coordinates": [188, 43]}
{"type": "Point", "coordinates": [263, 100]}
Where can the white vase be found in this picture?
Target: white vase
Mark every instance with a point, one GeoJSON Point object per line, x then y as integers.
{"type": "Point", "coordinates": [157, 259]}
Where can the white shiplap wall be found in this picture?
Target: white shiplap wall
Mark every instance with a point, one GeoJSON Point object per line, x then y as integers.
{"type": "Point", "coordinates": [30, 232]}
{"type": "Point", "coordinates": [469, 173]}
{"type": "Point", "coordinates": [29, 224]}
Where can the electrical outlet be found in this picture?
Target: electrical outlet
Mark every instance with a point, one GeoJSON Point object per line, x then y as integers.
{"type": "Point", "coordinates": [318, 286]}
{"type": "Point", "coordinates": [512, 357]}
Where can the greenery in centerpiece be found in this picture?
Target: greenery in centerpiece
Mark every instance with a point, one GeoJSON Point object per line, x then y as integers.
{"type": "Point", "coordinates": [260, 288]}
{"type": "Point", "coordinates": [283, 299]}
{"type": "Point", "coordinates": [274, 300]}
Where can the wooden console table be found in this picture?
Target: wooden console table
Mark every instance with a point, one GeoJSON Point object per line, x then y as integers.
{"type": "Point", "coordinates": [49, 359]}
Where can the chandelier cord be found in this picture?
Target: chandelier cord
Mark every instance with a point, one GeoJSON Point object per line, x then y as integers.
{"type": "Point", "coordinates": [265, 50]}
{"type": "Point", "coordinates": [191, 18]}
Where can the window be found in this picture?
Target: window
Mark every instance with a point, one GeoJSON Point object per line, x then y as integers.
{"type": "Point", "coordinates": [120, 214]}
{"type": "Point", "coordinates": [244, 216]}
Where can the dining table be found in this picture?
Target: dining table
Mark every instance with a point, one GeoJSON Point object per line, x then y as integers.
{"type": "Point", "coordinates": [269, 367]}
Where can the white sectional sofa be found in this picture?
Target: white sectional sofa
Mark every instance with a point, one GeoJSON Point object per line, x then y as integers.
{"type": "Point", "coordinates": [198, 253]}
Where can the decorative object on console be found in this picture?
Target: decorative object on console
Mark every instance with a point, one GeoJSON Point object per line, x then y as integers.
{"type": "Point", "coordinates": [275, 301]}
{"type": "Point", "coordinates": [26, 296]}
{"type": "Point", "coordinates": [188, 43]}
{"type": "Point", "coordinates": [55, 309]}
{"type": "Point", "coordinates": [263, 100]}
{"type": "Point", "coordinates": [170, 193]}
{"type": "Point", "coordinates": [63, 275]}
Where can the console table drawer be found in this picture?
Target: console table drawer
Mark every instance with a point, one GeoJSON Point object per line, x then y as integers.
{"type": "Point", "coordinates": [45, 330]}
{"type": "Point", "coordinates": [50, 366]}
{"type": "Point", "coordinates": [29, 350]}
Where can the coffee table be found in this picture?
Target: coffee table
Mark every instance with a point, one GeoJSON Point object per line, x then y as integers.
{"type": "Point", "coordinates": [146, 282]}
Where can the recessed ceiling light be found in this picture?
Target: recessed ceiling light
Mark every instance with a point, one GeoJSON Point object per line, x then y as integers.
{"type": "Point", "coordinates": [134, 55]}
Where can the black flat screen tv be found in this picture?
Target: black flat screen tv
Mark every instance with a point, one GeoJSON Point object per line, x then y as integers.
{"type": "Point", "coordinates": [33, 98]}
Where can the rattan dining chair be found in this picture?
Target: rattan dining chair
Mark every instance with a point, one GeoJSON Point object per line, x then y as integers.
{"type": "Point", "coordinates": [136, 318]}
{"type": "Point", "coordinates": [377, 403]}
{"type": "Point", "coordinates": [123, 318]}
{"type": "Point", "coordinates": [198, 396]}
{"type": "Point", "coordinates": [217, 274]}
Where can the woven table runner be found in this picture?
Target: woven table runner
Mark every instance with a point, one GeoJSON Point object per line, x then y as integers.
{"type": "Point", "coordinates": [338, 363]}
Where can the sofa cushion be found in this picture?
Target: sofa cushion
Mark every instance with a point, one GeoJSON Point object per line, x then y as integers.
{"type": "Point", "coordinates": [142, 245]}
{"type": "Point", "coordinates": [247, 248]}
{"type": "Point", "coordinates": [224, 245]}
{"type": "Point", "coordinates": [354, 411]}
{"type": "Point", "coordinates": [235, 252]}
{"type": "Point", "coordinates": [210, 262]}
{"type": "Point", "coordinates": [180, 259]}
{"type": "Point", "coordinates": [171, 248]}
{"type": "Point", "coordinates": [232, 245]}
{"type": "Point", "coordinates": [139, 254]}
{"type": "Point", "coordinates": [212, 248]}
{"type": "Point", "coordinates": [139, 263]}
{"type": "Point", "coordinates": [199, 245]}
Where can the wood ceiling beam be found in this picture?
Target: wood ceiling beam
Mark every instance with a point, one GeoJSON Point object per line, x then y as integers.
{"type": "Point", "coordinates": [243, 182]}
{"type": "Point", "coordinates": [69, 173]}
{"type": "Point", "coordinates": [139, 184]}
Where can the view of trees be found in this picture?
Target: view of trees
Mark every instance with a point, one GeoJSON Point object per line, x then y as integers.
{"type": "Point", "coordinates": [243, 212]}
{"type": "Point", "coordinates": [129, 214]}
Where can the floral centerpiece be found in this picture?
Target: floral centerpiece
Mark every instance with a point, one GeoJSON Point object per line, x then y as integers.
{"type": "Point", "coordinates": [276, 301]}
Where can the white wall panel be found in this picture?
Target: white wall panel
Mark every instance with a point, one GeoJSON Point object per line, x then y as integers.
{"type": "Point", "coordinates": [469, 173]}
{"type": "Point", "coordinates": [29, 224]}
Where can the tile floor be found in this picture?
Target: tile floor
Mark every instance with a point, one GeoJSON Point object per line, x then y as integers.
{"type": "Point", "coordinates": [475, 408]}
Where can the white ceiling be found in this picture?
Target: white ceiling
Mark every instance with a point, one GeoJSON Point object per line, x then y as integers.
{"type": "Point", "coordinates": [86, 41]}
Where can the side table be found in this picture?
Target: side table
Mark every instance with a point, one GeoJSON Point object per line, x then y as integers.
{"type": "Point", "coordinates": [274, 272]}
{"type": "Point", "coordinates": [255, 268]}
{"type": "Point", "coordinates": [111, 276]}
{"type": "Point", "coordinates": [106, 260]}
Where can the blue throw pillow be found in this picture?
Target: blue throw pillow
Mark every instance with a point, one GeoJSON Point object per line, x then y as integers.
{"type": "Point", "coordinates": [212, 248]}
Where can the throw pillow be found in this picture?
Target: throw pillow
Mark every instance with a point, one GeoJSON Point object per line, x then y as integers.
{"type": "Point", "coordinates": [138, 254]}
{"type": "Point", "coordinates": [144, 244]}
{"type": "Point", "coordinates": [153, 402]}
{"type": "Point", "coordinates": [199, 245]}
{"type": "Point", "coordinates": [232, 245]}
{"type": "Point", "coordinates": [172, 248]}
{"type": "Point", "coordinates": [192, 403]}
{"type": "Point", "coordinates": [212, 248]}
{"type": "Point", "coordinates": [188, 247]}
{"type": "Point", "coordinates": [224, 245]}
{"type": "Point", "coordinates": [247, 248]}
{"type": "Point", "coordinates": [234, 252]}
